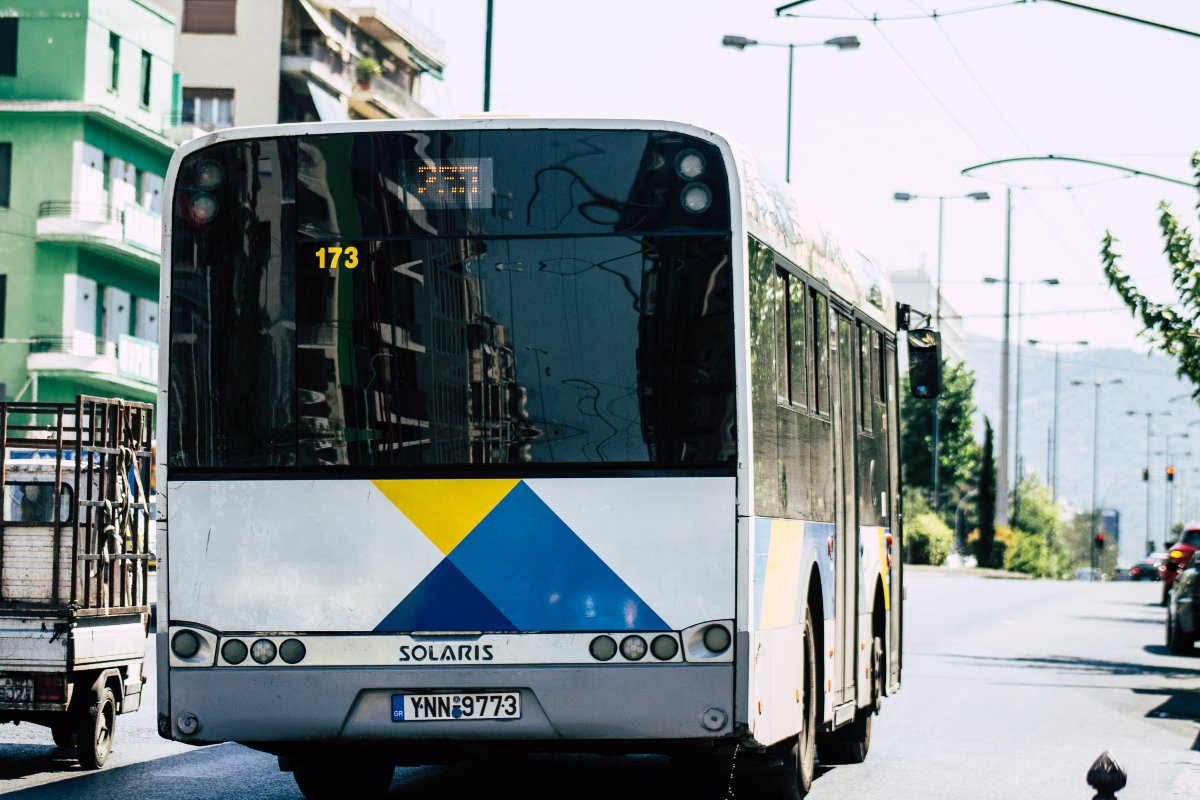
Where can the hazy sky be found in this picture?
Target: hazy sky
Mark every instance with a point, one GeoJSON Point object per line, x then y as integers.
{"type": "Point", "coordinates": [921, 100]}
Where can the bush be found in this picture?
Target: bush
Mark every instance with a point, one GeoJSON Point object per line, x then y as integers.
{"type": "Point", "coordinates": [929, 539]}
{"type": "Point", "coordinates": [1000, 547]}
{"type": "Point", "coordinates": [1026, 553]}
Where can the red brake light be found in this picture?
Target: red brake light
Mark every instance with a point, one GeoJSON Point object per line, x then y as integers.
{"type": "Point", "coordinates": [48, 688]}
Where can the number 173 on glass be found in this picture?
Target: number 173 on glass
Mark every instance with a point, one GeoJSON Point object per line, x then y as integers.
{"type": "Point", "coordinates": [334, 257]}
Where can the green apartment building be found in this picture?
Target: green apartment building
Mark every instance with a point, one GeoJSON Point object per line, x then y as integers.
{"type": "Point", "coordinates": [86, 88]}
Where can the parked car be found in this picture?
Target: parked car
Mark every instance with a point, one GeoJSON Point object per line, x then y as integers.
{"type": "Point", "coordinates": [1179, 555]}
{"type": "Point", "coordinates": [1149, 568]}
{"type": "Point", "coordinates": [1183, 612]}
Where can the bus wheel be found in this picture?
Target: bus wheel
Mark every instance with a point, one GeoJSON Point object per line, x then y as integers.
{"type": "Point", "coordinates": [94, 731]}
{"type": "Point", "coordinates": [788, 775]}
{"type": "Point", "coordinates": [326, 780]}
{"type": "Point", "coordinates": [849, 745]}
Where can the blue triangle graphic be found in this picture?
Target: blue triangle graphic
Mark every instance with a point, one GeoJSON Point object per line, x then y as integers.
{"type": "Point", "coordinates": [538, 573]}
{"type": "Point", "coordinates": [445, 601]}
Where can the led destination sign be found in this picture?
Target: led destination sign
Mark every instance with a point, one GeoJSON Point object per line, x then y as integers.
{"type": "Point", "coordinates": [451, 183]}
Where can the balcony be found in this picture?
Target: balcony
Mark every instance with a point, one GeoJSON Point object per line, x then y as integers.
{"type": "Point", "coordinates": [128, 366]}
{"type": "Point", "coordinates": [379, 98]}
{"type": "Point", "coordinates": [131, 235]}
{"type": "Point", "coordinates": [310, 58]}
{"type": "Point", "coordinates": [391, 24]}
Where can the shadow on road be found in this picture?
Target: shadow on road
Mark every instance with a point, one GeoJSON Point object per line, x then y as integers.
{"type": "Point", "coordinates": [227, 771]}
{"type": "Point", "coordinates": [1074, 665]}
{"type": "Point", "coordinates": [21, 760]}
{"type": "Point", "coordinates": [1143, 621]}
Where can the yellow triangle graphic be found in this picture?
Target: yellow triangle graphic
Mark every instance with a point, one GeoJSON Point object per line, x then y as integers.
{"type": "Point", "coordinates": [446, 511]}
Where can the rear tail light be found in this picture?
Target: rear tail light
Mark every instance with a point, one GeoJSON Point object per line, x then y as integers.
{"type": "Point", "coordinates": [1177, 554]}
{"type": "Point", "coordinates": [49, 688]}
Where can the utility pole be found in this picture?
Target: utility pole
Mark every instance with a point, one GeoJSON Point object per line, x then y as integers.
{"type": "Point", "coordinates": [1002, 467]}
{"type": "Point", "coordinates": [487, 61]}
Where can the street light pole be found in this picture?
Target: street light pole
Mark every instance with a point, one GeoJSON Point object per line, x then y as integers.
{"type": "Point", "coordinates": [1002, 472]}
{"type": "Point", "coordinates": [1017, 470]}
{"type": "Point", "coordinates": [904, 197]}
{"type": "Point", "coordinates": [1095, 454]}
{"type": "Point", "coordinates": [1052, 456]}
{"type": "Point", "coordinates": [1149, 416]}
{"type": "Point", "coordinates": [742, 42]}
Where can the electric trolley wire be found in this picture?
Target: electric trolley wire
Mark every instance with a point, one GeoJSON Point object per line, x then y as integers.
{"type": "Point", "coordinates": [1067, 249]}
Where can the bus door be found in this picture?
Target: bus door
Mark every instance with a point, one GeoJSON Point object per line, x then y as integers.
{"type": "Point", "coordinates": [845, 507]}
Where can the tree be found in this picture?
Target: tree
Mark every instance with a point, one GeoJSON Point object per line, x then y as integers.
{"type": "Point", "coordinates": [987, 497]}
{"type": "Point", "coordinates": [957, 450]}
{"type": "Point", "coordinates": [1038, 547]}
{"type": "Point", "coordinates": [1169, 326]}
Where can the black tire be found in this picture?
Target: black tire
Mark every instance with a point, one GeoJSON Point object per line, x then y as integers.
{"type": "Point", "coordinates": [1178, 642]}
{"type": "Point", "coordinates": [1166, 594]}
{"type": "Point", "coordinates": [63, 734]}
{"type": "Point", "coordinates": [850, 745]}
{"type": "Point", "coordinates": [94, 731]}
{"type": "Point", "coordinates": [792, 762]}
{"type": "Point", "coordinates": [327, 780]}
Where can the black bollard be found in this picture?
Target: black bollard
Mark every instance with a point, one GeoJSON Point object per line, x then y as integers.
{"type": "Point", "coordinates": [1106, 776]}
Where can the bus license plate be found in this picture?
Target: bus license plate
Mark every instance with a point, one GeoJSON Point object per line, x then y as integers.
{"type": "Point", "coordinates": [477, 705]}
{"type": "Point", "coordinates": [16, 690]}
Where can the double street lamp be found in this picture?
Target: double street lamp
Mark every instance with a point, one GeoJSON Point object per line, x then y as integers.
{"type": "Point", "coordinates": [905, 197]}
{"type": "Point", "coordinates": [838, 42]}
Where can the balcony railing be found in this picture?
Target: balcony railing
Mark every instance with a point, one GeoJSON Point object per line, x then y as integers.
{"type": "Point", "coordinates": [398, 101]}
{"type": "Point", "coordinates": [311, 56]}
{"type": "Point", "coordinates": [128, 360]}
{"type": "Point", "coordinates": [126, 225]}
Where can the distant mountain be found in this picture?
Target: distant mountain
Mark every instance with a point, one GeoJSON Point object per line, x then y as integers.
{"type": "Point", "coordinates": [1148, 383]}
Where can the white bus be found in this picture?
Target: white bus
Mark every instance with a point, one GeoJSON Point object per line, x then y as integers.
{"type": "Point", "coordinates": [558, 435]}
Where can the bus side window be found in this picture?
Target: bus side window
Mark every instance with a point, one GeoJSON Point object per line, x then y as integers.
{"type": "Point", "coordinates": [820, 359]}
{"type": "Point", "coordinates": [783, 366]}
{"type": "Point", "coordinates": [796, 341]}
{"type": "Point", "coordinates": [865, 392]}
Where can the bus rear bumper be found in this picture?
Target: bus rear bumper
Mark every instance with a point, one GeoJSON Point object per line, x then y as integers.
{"type": "Point", "coordinates": [277, 705]}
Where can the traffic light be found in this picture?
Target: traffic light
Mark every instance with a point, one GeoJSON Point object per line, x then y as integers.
{"type": "Point", "coordinates": [1098, 541]}
{"type": "Point", "coordinates": [1145, 473]}
{"type": "Point", "coordinates": [1170, 473]}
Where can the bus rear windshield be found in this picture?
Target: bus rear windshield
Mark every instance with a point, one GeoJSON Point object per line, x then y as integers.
{"type": "Point", "coordinates": [452, 300]}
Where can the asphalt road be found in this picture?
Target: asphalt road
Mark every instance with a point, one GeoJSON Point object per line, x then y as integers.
{"type": "Point", "coordinates": [1011, 690]}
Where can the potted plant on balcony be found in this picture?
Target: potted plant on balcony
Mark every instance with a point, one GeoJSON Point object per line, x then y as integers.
{"type": "Point", "coordinates": [366, 69]}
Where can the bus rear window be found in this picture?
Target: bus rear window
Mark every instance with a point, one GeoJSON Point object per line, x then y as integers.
{"type": "Point", "coordinates": [530, 297]}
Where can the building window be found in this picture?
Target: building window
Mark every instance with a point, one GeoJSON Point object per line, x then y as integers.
{"type": "Point", "coordinates": [146, 62]}
{"type": "Point", "coordinates": [5, 172]}
{"type": "Point", "coordinates": [114, 51]}
{"type": "Point", "coordinates": [8, 46]}
{"type": "Point", "coordinates": [209, 16]}
{"type": "Point", "coordinates": [208, 108]}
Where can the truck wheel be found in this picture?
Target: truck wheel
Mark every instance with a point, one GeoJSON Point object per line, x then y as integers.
{"type": "Point", "coordinates": [94, 731]}
{"type": "Point", "coordinates": [64, 735]}
{"type": "Point", "coordinates": [330, 780]}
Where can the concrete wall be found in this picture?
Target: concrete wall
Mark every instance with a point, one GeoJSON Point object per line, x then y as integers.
{"type": "Point", "coordinates": [246, 61]}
